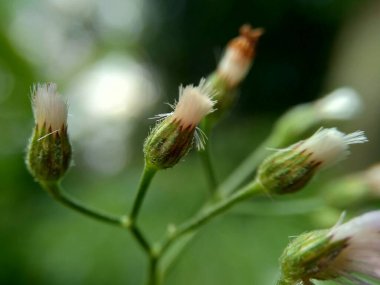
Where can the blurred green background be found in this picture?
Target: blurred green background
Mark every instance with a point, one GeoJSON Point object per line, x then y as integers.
{"type": "Point", "coordinates": [117, 62]}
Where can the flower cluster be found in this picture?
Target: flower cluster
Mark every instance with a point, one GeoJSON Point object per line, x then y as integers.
{"type": "Point", "coordinates": [348, 252]}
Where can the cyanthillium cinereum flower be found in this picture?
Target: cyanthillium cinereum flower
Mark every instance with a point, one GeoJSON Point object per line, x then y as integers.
{"type": "Point", "coordinates": [233, 68]}
{"type": "Point", "coordinates": [173, 136]}
{"type": "Point", "coordinates": [237, 59]}
{"type": "Point", "coordinates": [289, 169]}
{"type": "Point", "coordinates": [347, 253]}
{"type": "Point", "coordinates": [49, 150]}
{"type": "Point", "coordinates": [342, 104]}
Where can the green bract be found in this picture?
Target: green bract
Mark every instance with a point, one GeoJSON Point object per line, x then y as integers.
{"type": "Point", "coordinates": [286, 171]}
{"type": "Point", "coordinates": [168, 143]}
{"type": "Point", "coordinates": [308, 257]}
{"type": "Point", "coordinates": [49, 154]}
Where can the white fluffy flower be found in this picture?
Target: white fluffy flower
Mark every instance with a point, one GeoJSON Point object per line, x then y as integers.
{"type": "Point", "coordinates": [194, 103]}
{"type": "Point", "coordinates": [50, 111]}
{"type": "Point", "coordinates": [342, 104]}
{"type": "Point", "coordinates": [362, 250]}
{"type": "Point", "coordinates": [328, 146]}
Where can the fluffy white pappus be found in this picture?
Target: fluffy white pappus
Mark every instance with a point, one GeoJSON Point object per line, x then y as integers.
{"type": "Point", "coordinates": [48, 107]}
{"type": "Point", "coordinates": [234, 65]}
{"type": "Point", "coordinates": [328, 146]}
{"type": "Point", "coordinates": [194, 103]}
{"type": "Point", "coordinates": [342, 104]}
{"type": "Point", "coordinates": [362, 252]}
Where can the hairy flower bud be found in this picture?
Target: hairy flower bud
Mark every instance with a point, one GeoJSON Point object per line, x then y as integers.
{"type": "Point", "coordinates": [49, 150]}
{"type": "Point", "coordinates": [288, 170]}
{"type": "Point", "coordinates": [339, 253]}
{"type": "Point", "coordinates": [233, 68]}
{"type": "Point", "coordinates": [342, 104]}
{"type": "Point", "coordinates": [237, 59]}
{"type": "Point", "coordinates": [173, 136]}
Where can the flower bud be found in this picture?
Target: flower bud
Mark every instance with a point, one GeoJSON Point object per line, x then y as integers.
{"type": "Point", "coordinates": [341, 104]}
{"type": "Point", "coordinates": [290, 169]}
{"type": "Point", "coordinates": [237, 59]}
{"type": "Point", "coordinates": [173, 136]}
{"type": "Point", "coordinates": [49, 150]}
{"type": "Point", "coordinates": [233, 68]}
{"type": "Point", "coordinates": [345, 253]}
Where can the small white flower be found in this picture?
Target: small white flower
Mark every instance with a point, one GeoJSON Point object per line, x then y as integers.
{"type": "Point", "coordinates": [328, 146]}
{"type": "Point", "coordinates": [194, 104]}
{"type": "Point", "coordinates": [50, 111]}
{"type": "Point", "coordinates": [237, 59]}
{"type": "Point", "coordinates": [173, 136]}
{"type": "Point", "coordinates": [362, 250]}
{"type": "Point", "coordinates": [342, 104]}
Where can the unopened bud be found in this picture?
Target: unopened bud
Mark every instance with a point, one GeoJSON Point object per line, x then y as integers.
{"type": "Point", "coordinates": [343, 103]}
{"type": "Point", "coordinates": [289, 170]}
{"type": "Point", "coordinates": [173, 136]}
{"type": "Point", "coordinates": [49, 150]}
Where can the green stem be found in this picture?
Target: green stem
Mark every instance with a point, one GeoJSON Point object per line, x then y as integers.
{"type": "Point", "coordinates": [56, 191]}
{"type": "Point", "coordinates": [146, 178]}
{"type": "Point", "coordinates": [205, 155]}
{"type": "Point", "coordinates": [140, 238]}
{"type": "Point", "coordinates": [210, 173]}
{"type": "Point", "coordinates": [153, 273]}
{"type": "Point", "coordinates": [210, 212]}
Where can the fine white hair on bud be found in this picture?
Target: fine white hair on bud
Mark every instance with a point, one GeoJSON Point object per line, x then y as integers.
{"type": "Point", "coordinates": [237, 59]}
{"type": "Point", "coordinates": [50, 111]}
{"type": "Point", "coordinates": [49, 150]}
{"type": "Point", "coordinates": [347, 253]}
{"type": "Point", "coordinates": [175, 133]}
{"type": "Point", "coordinates": [342, 104]}
{"type": "Point", "coordinates": [194, 103]}
{"type": "Point", "coordinates": [328, 146]}
{"type": "Point", "coordinates": [289, 170]}
{"type": "Point", "coordinates": [361, 253]}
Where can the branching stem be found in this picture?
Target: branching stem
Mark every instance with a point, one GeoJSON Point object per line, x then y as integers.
{"type": "Point", "coordinates": [56, 191]}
